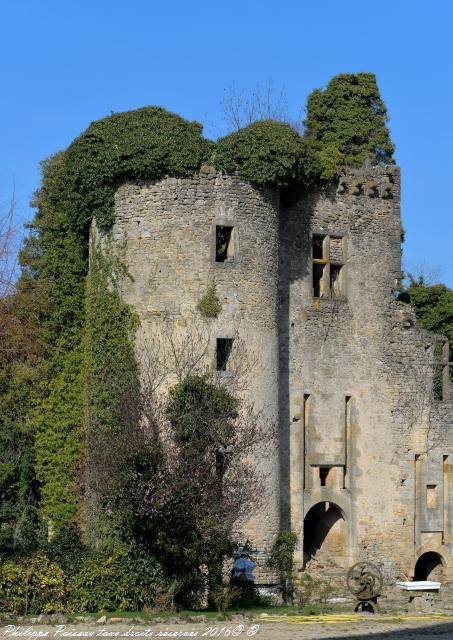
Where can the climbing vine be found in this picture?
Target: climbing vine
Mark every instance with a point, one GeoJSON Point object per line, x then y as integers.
{"type": "Point", "coordinates": [70, 392]}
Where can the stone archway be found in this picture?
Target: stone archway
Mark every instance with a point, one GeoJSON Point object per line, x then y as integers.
{"type": "Point", "coordinates": [429, 566]}
{"type": "Point", "coordinates": [325, 535]}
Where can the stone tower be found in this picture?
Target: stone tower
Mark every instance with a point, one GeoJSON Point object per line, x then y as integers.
{"type": "Point", "coordinates": [363, 464]}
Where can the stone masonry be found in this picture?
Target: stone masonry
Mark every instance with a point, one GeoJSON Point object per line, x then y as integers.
{"type": "Point", "coordinates": [311, 334]}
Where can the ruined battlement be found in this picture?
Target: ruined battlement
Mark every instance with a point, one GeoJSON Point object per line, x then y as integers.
{"type": "Point", "coordinates": [326, 352]}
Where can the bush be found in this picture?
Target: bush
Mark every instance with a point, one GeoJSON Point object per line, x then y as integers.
{"type": "Point", "coordinates": [67, 550]}
{"type": "Point", "coordinates": [224, 596]}
{"type": "Point", "coordinates": [268, 153]}
{"type": "Point", "coordinates": [32, 585]}
{"type": "Point", "coordinates": [121, 582]}
{"type": "Point", "coordinates": [210, 305]}
{"type": "Point", "coordinates": [281, 559]}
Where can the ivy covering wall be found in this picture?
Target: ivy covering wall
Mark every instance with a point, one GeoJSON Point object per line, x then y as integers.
{"type": "Point", "coordinates": [73, 374]}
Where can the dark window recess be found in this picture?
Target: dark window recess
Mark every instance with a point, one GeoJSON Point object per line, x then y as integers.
{"type": "Point", "coordinates": [224, 245]}
{"type": "Point", "coordinates": [335, 281]}
{"type": "Point", "coordinates": [318, 242]}
{"type": "Point", "coordinates": [224, 346]}
{"type": "Point", "coordinates": [318, 274]}
{"type": "Point", "coordinates": [323, 475]}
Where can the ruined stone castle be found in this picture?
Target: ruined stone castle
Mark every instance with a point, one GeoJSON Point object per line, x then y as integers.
{"type": "Point", "coordinates": [362, 468]}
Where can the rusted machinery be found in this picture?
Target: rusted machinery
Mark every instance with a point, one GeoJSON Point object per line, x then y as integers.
{"type": "Point", "coordinates": [364, 581]}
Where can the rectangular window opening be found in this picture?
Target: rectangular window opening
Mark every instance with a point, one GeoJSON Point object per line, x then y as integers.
{"type": "Point", "coordinates": [224, 243]}
{"type": "Point", "coordinates": [324, 473]}
{"type": "Point", "coordinates": [224, 347]}
{"type": "Point", "coordinates": [318, 245]}
{"type": "Point", "coordinates": [328, 258]}
{"type": "Point", "coordinates": [431, 496]}
{"type": "Point", "coordinates": [318, 280]}
{"type": "Point", "coordinates": [335, 281]}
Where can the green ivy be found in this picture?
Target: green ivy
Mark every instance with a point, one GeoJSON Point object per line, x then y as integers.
{"type": "Point", "coordinates": [111, 383]}
{"type": "Point", "coordinates": [58, 421]}
{"type": "Point", "coordinates": [148, 143]}
{"type": "Point", "coordinates": [210, 305]}
{"type": "Point", "coordinates": [268, 153]}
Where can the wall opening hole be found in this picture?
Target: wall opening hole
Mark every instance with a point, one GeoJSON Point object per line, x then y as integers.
{"type": "Point", "coordinates": [224, 243]}
{"type": "Point", "coordinates": [224, 347]}
{"type": "Point", "coordinates": [324, 473]}
{"type": "Point", "coordinates": [336, 281]}
{"type": "Point", "coordinates": [325, 534]}
{"type": "Point", "coordinates": [318, 244]}
{"type": "Point", "coordinates": [318, 280]}
{"type": "Point", "coordinates": [429, 567]}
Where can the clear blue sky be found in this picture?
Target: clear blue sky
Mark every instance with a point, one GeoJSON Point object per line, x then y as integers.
{"type": "Point", "coordinates": [65, 63]}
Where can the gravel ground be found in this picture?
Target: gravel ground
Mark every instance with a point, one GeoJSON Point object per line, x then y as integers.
{"type": "Point", "coordinates": [367, 627]}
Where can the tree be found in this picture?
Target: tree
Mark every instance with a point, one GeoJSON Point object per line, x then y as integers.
{"type": "Point", "coordinates": [433, 305]}
{"type": "Point", "coordinates": [187, 489]}
{"type": "Point", "coordinates": [19, 371]}
{"type": "Point", "coordinates": [7, 262]}
{"type": "Point", "coordinates": [264, 103]}
{"type": "Point", "coordinates": [348, 120]}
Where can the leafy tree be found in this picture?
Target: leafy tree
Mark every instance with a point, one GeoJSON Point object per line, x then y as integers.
{"type": "Point", "coordinates": [19, 375]}
{"type": "Point", "coordinates": [347, 123]}
{"type": "Point", "coordinates": [189, 486]}
{"type": "Point", "coordinates": [433, 305]}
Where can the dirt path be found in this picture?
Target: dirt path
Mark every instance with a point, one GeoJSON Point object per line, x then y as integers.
{"type": "Point", "coordinates": [297, 628]}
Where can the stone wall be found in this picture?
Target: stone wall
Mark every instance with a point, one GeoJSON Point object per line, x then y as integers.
{"type": "Point", "coordinates": [334, 359]}
{"type": "Point", "coordinates": [355, 378]}
{"type": "Point", "coordinates": [167, 230]}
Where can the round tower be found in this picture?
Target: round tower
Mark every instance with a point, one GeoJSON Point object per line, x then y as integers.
{"type": "Point", "coordinates": [180, 236]}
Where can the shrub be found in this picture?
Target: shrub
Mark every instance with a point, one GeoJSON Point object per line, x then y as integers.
{"type": "Point", "coordinates": [281, 559]}
{"type": "Point", "coordinates": [67, 550]}
{"type": "Point", "coordinates": [120, 582]}
{"type": "Point", "coordinates": [32, 585]}
{"type": "Point", "coordinates": [210, 305]}
{"type": "Point", "coordinates": [224, 596]}
{"type": "Point", "coordinates": [268, 153]}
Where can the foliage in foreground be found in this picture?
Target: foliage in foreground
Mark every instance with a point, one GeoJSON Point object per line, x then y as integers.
{"type": "Point", "coordinates": [32, 585]}
{"type": "Point", "coordinates": [281, 560]}
{"type": "Point", "coordinates": [187, 488]}
{"type": "Point", "coordinates": [117, 583]}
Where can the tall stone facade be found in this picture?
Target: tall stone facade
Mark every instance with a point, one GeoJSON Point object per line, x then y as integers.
{"type": "Point", "coordinates": [362, 464]}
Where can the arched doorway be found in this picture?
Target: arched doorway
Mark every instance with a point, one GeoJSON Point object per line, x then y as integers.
{"type": "Point", "coordinates": [325, 535]}
{"type": "Point", "coordinates": [429, 566]}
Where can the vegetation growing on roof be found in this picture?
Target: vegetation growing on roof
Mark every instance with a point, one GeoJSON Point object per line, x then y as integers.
{"type": "Point", "coordinates": [268, 153]}
{"type": "Point", "coordinates": [144, 144]}
{"type": "Point", "coordinates": [348, 123]}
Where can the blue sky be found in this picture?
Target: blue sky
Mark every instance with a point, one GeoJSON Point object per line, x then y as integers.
{"type": "Point", "coordinates": [65, 63]}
